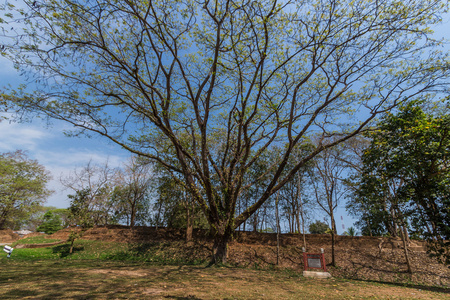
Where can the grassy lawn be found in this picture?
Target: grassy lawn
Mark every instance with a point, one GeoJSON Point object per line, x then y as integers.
{"type": "Point", "coordinates": [89, 273]}
{"type": "Point", "coordinates": [35, 240]}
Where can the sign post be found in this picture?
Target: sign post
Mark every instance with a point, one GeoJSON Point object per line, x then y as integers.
{"type": "Point", "coordinates": [315, 261]}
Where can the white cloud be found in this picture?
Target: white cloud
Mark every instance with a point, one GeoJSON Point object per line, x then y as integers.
{"type": "Point", "coordinates": [59, 154]}
{"type": "Point", "coordinates": [62, 164]}
{"type": "Point", "coordinates": [17, 136]}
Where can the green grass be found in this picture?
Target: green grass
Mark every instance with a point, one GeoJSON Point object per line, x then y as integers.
{"type": "Point", "coordinates": [161, 253]}
{"type": "Point", "coordinates": [83, 250]}
{"type": "Point", "coordinates": [34, 240]}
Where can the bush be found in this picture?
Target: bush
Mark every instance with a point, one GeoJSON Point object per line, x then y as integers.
{"type": "Point", "coordinates": [318, 227]}
{"type": "Point", "coordinates": [51, 224]}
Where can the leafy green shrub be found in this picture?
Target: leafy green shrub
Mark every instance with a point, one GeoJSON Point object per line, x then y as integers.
{"type": "Point", "coordinates": [51, 224]}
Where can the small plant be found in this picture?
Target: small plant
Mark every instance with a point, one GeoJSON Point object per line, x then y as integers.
{"type": "Point", "coordinates": [351, 231]}
{"type": "Point", "coordinates": [318, 227]}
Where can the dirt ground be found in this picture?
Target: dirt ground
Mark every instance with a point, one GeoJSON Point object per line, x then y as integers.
{"type": "Point", "coordinates": [78, 279]}
{"type": "Point", "coordinates": [365, 258]}
{"type": "Point", "coordinates": [8, 236]}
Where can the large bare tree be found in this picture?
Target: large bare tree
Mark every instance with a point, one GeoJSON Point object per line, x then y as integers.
{"type": "Point", "coordinates": [206, 88]}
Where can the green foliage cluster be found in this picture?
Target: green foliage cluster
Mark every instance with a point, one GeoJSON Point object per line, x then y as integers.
{"type": "Point", "coordinates": [351, 231]}
{"type": "Point", "coordinates": [23, 188]}
{"type": "Point", "coordinates": [174, 205]}
{"type": "Point", "coordinates": [319, 227]}
{"type": "Point", "coordinates": [52, 222]}
{"type": "Point", "coordinates": [405, 178]}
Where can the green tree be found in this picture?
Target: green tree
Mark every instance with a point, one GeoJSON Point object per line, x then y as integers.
{"type": "Point", "coordinates": [318, 227]}
{"type": "Point", "coordinates": [80, 215]}
{"type": "Point", "coordinates": [175, 208]}
{"type": "Point", "coordinates": [79, 211]}
{"type": "Point", "coordinates": [207, 88]}
{"type": "Point", "coordinates": [23, 188]}
{"type": "Point", "coordinates": [406, 174]}
{"type": "Point", "coordinates": [51, 223]}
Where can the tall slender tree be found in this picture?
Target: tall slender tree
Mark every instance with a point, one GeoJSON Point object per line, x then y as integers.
{"type": "Point", "coordinates": [329, 171]}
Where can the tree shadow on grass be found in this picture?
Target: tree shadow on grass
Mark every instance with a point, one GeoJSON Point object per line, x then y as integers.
{"type": "Point", "coordinates": [64, 250]}
{"type": "Point", "coordinates": [158, 252]}
{"type": "Point", "coordinates": [183, 298]}
{"type": "Point", "coordinates": [19, 293]}
{"type": "Point", "coordinates": [437, 289]}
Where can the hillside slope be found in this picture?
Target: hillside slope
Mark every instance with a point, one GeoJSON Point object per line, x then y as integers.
{"type": "Point", "coordinates": [367, 258]}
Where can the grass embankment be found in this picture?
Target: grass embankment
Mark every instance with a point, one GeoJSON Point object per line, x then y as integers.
{"type": "Point", "coordinates": [105, 270]}
{"type": "Point", "coordinates": [162, 253]}
{"type": "Point", "coordinates": [34, 240]}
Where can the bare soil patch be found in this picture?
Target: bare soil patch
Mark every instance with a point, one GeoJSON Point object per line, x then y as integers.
{"type": "Point", "coordinates": [8, 236]}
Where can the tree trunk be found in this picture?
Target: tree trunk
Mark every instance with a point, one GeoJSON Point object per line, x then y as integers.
{"type": "Point", "coordinates": [403, 235]}
{"type": "Point", "coordinates": [255, 222]}
{"type": "Point", "coordinates": [297, 219]}
{"type": "Point", "coordinates": [158, 216]}
{"type": "Point", "coordinates": [133, 215]}
{"type": "Point", "coordinates": [278, 229]}
{"type": "Point", "coordinates": [189, 225]}
{"type": "Point", "coordinates": [405, 247]}
{"type": "Point", "coordinates": [220, 248]}
{"type": "Point", "coordinates": [369, 227]}
{"type": "Point", "coordinates": [71, 246]}
{"type": "Point", "coordinates": [301, 213]}
{"type": "Point", "coordinates": [333, 239]}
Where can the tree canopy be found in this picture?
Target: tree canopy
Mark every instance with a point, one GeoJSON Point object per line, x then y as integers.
{"type": "Point", "coordinates": [206, 89]}
{"type": "Point", "coordinates": [52, 222]}
{"type": "Point", "coordinates": [318, 227]}
{"type": "Point", "coordinates": [23, 188]}
{"type": "Point", "coordinates": [405, 175]}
